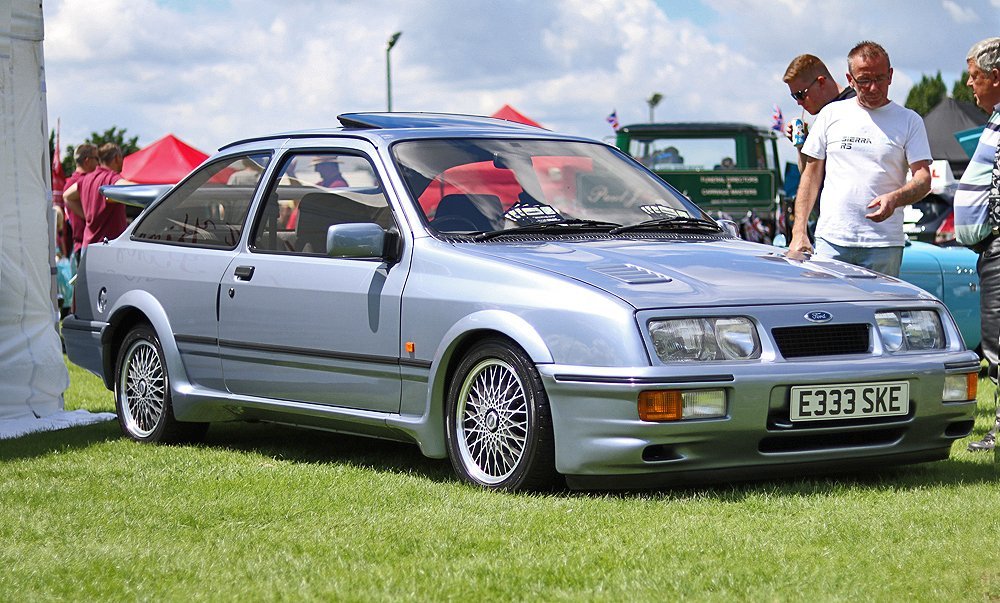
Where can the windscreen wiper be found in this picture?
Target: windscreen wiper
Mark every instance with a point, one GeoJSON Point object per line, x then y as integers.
{"type": "Point", "coordinates": [671, 223]}
{"type": "Point", "coordinates": [568, 225]}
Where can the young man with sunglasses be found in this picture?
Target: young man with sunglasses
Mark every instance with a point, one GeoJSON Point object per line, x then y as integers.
{"type": "Point", "coordinates": [811, 85]}
{"type": "Point", "coordinates": [859, 152]}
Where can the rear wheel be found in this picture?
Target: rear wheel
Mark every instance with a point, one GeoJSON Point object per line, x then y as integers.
{"type": "Point", "coordinates": [142, 392]}
{"type": "Point", "coordinates": [499, 427]}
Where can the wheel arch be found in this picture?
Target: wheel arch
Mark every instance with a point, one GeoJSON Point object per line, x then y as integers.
{"type": "Point", "coordinates": [464, 334]}
{"type": "Point", "coordinates": [133, 308]}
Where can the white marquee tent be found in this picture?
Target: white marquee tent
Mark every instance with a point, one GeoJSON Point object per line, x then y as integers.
{"type": "Point", "coordinates": [33, 375]}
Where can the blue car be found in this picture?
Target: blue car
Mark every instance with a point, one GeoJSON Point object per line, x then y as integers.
{"type": "Point", "coordinates": [950, 274]}
{"type": "Point", "coordinates": [538, 308]}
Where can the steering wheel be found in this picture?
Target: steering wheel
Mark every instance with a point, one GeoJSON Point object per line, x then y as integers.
{"type": "Point", "coordinates": [454, 224]}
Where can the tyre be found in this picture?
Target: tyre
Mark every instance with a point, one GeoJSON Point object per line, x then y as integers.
{"type": "Point", "coordinates": [142, 392]}
{"type": "Point", "coordinates": [499, 427]}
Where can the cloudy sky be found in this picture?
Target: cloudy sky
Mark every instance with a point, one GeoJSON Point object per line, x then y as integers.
{"type": "Point", "coordinates": [212, 71]}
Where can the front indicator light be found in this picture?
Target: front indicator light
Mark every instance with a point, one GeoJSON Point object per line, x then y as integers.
{"type": "Point", "coordinates": [960, 388]}
{"type": "Point", "coordinates": [677, 405]}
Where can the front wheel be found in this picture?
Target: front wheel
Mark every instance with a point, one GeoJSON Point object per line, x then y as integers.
{"type": "Point", "coordinates": [142, 392]}
{"type": "Point", "coordinates": [499, 427]}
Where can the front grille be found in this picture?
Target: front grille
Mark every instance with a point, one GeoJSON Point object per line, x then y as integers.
{"type": "Point", "coordinates": [822, 340]}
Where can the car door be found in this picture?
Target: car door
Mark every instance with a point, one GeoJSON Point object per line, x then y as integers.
{"type": "Point", "coordinates": [300, 326]}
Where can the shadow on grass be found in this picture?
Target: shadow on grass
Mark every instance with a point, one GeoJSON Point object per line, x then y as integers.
{"type": "Point", "coordinates": [299, 445]}
{"type": "Point", "coordinates": [61, 440]}
{"type": "Point", "coordinates": [310, 446]}
{"type": "Point", "coordinates": [948, 472]}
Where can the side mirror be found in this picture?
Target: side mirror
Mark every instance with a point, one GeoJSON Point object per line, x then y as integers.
{"type": "Point", "coordinates": [730, 228]}
{"type": "Point", "coordinates": [362, 241]}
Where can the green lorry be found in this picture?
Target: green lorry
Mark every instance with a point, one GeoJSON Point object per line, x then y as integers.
{"type": "Point", "coordinates": [728, 169]}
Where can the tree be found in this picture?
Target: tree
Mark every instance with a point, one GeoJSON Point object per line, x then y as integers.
{"type": "Point", "coordinates": [112, 134]}
{"type": "Point", "coordinates": [926, 94]}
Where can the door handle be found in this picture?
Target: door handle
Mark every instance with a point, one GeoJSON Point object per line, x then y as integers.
{"type": "Point", "coordinates": [244, 273]}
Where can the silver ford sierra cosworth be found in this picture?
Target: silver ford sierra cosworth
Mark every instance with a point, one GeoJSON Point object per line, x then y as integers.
{"type": "Point", "coordinates": [538, 308]}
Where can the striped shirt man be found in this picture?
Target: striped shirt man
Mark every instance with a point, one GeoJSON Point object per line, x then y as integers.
{"type": "Point", "coordinates": [972, 198]}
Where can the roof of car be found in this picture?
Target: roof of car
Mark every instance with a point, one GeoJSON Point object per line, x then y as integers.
{"type": "Point", "coordinates": [426, 120]}
{"type": "Point", "coordinates": [360, 122]}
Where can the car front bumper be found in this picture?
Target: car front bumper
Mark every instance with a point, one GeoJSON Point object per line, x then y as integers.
{"type": "Point", "coordinates": [601, 442]}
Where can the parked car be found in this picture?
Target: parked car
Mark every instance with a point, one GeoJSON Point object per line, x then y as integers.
{"type": "Point", "coordinates": [950, 274]}
{"type": "Point", "coordinates": [535, 307]}
{"type": "Point", "coordinates": [932, 219]}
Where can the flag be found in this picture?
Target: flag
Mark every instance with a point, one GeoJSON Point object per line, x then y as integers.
{"type": "Point", "coordinates": [777, 121]}
{"type": "Point", "coordinates": [613, 119]}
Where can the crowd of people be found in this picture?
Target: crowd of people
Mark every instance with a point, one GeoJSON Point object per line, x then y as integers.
{"type": "Point", "coordinates": [866, 157]}
{"type": "Point", "coordinates": [88, 217]}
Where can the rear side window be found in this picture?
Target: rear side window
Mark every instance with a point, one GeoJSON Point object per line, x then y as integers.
{"type": "Point", "coordinates": [209, 210]}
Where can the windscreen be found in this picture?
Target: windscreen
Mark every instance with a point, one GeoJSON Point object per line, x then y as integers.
{"type": "Point", "coordinates": [476, 185]}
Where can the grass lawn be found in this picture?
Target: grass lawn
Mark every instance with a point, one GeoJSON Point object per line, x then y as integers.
{"type": "Point", "coordinates": [264, 512]}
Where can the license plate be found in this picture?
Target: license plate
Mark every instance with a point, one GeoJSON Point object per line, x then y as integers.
{"type": "Point", "coordinates": [850, 401]}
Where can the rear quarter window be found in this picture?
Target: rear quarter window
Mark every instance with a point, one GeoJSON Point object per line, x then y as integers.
{"type": "Point", "coordinates": [209, 209]}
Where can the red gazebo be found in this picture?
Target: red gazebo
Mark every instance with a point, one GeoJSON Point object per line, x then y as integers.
{"type": "Point", "coordinates": [165, 161]}
{"type": "Point", "coordinates": [511, 114]}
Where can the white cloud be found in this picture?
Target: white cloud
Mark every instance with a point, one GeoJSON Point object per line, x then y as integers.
{"type": "Point", "coordinates": [960, 14]}
{"type": "Point", "coordinates": [226, 69]}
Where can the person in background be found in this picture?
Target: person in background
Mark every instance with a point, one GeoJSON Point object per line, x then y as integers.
{"type": "Point", "coordinates": [86, 162]}
{"type": "Point", "coordinates": [102, 219]}
{"type": "Point", "coordinates": [248, 176]}
{"type": "Point", "coordinates": [977, 208]}
{"type": "Point", "coordinates": [811, 85]}
{"type": "Point", "coordinates": [328, 168]}
{"type": "Point", "coordinates": [859, 152]}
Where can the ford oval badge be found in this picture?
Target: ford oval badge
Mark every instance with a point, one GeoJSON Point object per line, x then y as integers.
{"type": "Point", "coordinates": [819, 316]}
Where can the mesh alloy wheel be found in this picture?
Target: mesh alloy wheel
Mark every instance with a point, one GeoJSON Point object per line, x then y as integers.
{"type": "Point", "coordinates": [499, 428]}
{"type": "Point", "coordinates": [142, 392]}
{"type": "Point", "coordinates": [142, 387]}
{"type": "Point", "coordinates": [492, 421]}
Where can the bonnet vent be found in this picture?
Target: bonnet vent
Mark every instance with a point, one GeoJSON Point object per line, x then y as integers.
{"type": "Point", "coordinates": [633, 275]}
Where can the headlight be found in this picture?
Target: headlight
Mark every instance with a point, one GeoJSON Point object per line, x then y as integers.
{"type": "Point", "coordinates": [905, 330]}
{"type": "Point", "coordinates": [701, 339]}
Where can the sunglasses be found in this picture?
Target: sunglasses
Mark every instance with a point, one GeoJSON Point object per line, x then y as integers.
{"type": "Point", "coordinates": [801, 94]}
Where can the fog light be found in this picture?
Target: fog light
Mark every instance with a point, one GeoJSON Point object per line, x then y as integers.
{"type": "Point", "coordinates": [675, 405]}
{"type": "Point", "coordinates": [959, 388]}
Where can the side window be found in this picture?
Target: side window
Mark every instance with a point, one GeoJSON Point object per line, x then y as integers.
{"type": "Point", "coordinates": [210, 208]}
{"type": "Point", "coordinates": [313, 192]}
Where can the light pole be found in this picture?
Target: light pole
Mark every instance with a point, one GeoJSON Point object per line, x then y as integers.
{"type": "Point", "coordinates": [388, 72]}
{"type": "Point", "coordinates": [652, 101]}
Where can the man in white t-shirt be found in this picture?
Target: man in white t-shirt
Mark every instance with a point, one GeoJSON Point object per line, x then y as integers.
{"type": "Point", "coordinates": [859, 151]}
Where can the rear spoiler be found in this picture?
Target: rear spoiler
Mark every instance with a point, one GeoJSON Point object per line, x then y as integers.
{"type": "Point", "coordinates": [136, 195]}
